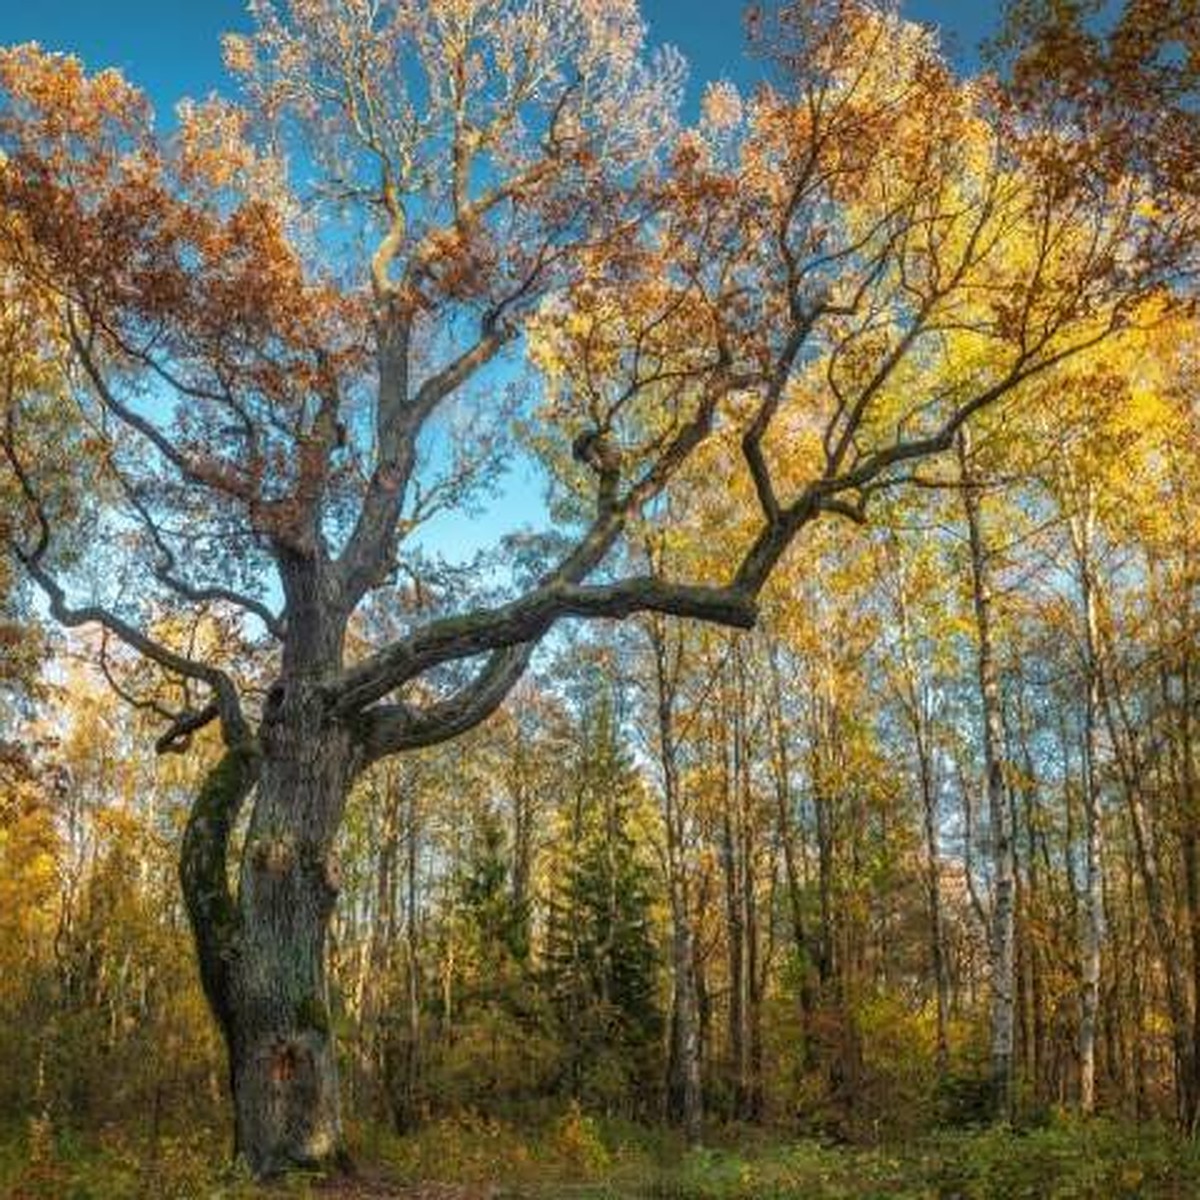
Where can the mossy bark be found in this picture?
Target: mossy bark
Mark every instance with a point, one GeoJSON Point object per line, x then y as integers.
{"type": "Point", "coordinates": [203, 873]}
{"type": "Point", "coordinates": [262, 952]}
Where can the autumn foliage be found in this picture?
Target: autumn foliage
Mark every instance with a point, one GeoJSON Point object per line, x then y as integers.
{"type": "Point", "coordinates": [250, 357]}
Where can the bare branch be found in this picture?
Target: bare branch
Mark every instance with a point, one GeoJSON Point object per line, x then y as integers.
{"type": "Point", "coordinates": [232, 719]}
{"type": "Point", "coordinates": [164, 571]}
{"type": "Point", "coordinates": [233, 722]}
{"type": "Point", "coordinates": [178, 739]}
{"type": "Point", "coordinates": [527, 620]}
{"type": "Point", "coordinates": [389, 729]}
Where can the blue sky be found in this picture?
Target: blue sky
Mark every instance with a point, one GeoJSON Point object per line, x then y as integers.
{"type": "Point", "coordinates": [171, 49]}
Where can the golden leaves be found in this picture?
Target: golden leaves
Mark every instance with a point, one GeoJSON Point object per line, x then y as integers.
{"type": "Point", "coordinates": [238, 54]}
{"type": "Point", "coordinates": [55, 99]}
{"type": "Point", "coordinates": [721, 107]}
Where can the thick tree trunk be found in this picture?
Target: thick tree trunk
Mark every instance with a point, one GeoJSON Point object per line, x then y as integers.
{"type": "Point", "coordinates": [262, 958]}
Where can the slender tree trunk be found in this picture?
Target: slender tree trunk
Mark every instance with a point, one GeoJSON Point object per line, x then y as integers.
{"type": "Point", "coordinates": [1003, 923]}
{"type": "Point", "coordinates": [412, 941]}
{"type": "Point", "coordinates": [406, 1088]}
{"type": "Point", "coordinates": [1093, 925]}
{"type": "Point", "coordinates": [752, 1074]}
{"type": "Point", "coordinates": [1190, 803]}
{"type": "Point", "coordinates": [1136, 993]}
{"type": "Point", "coordinates": [1159, 904]}
{"type": "Point", "coordinates": [685, 1092]}
{"type": "Point", "coordinates": [1034, 907]}
{"type": "Point", "coordinates": [685, 1097]}
{"type": "Point", "coordinates": [826, 963]}
{"type": "Point", "coordinates": [933, 897]}
{"type": "Point", "coordinates": [523, 819]}
{"type": "Point", "coordinates": [917, 704]}
{"type": "Point", "coordinates": [781, 760]}
{"type": "Point", "coordinates": [821, 733]}
{"type": "Point", "coordinates": [377, 957]}
{"type": "Point", "coordinates": [733, 865]}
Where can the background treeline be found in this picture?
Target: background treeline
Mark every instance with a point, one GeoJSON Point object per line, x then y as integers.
{"type": "Point", "coordinates": [777, 877]}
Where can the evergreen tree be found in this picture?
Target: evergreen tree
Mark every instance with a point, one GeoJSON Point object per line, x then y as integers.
{"type": "Point", "coordinates": [496, 921]}
{"type": "Point", "coordinates": [601, 963]}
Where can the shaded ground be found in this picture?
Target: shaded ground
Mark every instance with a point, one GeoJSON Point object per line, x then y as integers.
{"type": "Point", "coordinates": [374, 1186]}
{"type": "Point", "coordinates": [579, 1159]}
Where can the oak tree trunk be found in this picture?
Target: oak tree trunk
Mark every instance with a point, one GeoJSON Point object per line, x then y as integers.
{"type": "Point", "coordinates": [262, 956]}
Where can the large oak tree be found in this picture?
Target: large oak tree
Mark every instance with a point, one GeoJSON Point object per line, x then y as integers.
{"type": "Point", "coordinates": [263, 323]}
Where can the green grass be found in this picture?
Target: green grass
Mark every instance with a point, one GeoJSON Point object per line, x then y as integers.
{"type": "Point", "coordinates": [1065, 1161]}
{"type": "Point", "coordinates": [578, 1157]}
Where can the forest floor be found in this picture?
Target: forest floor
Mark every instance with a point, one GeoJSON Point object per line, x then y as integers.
{"type": "Point", "coordinates": [581, 1159]}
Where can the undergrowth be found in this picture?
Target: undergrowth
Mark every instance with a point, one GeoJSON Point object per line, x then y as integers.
{"type": "Point", "coordinates": [580, 1156]}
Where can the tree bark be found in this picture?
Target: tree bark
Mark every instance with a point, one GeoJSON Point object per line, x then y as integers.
{"type": "Point", "coordinates": [1189, 802]}
{"type": "Point", "coordinates": [1159, 903]}
{"type": "Point", "coordinates": [1093, 926]}
{"type": "Point", "coordinates": [685, 1097]}
{"type": "Point", "coordinates": [263, 956]}
{"type": "Point", "coordinates": [406, 1102]}
{"type": "Point", "coordinates": [1003, 923]}
{"type": "Point", "coordinates": [1034, 905]}
{"type": "Point", "coordinates": [375, 972]}
{"type": "Point", "coordinates": [732, 867]}
{"type": "Point", "coordinates": [916, 690]}
{"type": "Point", "coordinates": [786, 832]}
